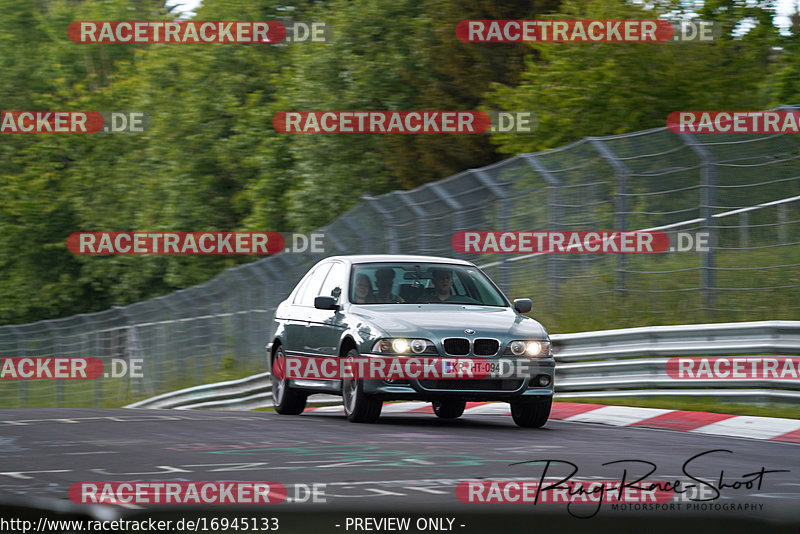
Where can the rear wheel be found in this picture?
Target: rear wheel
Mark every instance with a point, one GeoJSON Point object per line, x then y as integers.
{"type": "Point", "coordinates": [531, 413]}
{"type": "Point", "coordinates": [286, 399]}
{"type": "Point", "coordinates": [449, 409]}
{"type": "Point", "coordinates": [358, 406]}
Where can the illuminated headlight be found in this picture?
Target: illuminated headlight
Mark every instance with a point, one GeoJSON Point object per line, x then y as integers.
{"type": "Point", "coordinates": [533, 348]}
{"type": "Point", "coordinates": [530, 348]}
{"type": "Point", "coordinates": [517, 348]}
{"type": "Point", "coordinates": [400, 346]}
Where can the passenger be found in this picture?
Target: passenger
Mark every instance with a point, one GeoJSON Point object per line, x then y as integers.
{"type": "Point", "coordinates": [384, 280]}
{"type": "Point", "coordinates": [363, 293]}
{"type": "Point", "coordinates": [442, 283]}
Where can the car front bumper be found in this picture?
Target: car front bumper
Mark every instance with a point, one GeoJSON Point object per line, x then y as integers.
{"type": "Point", "coordinates": [515, 382]}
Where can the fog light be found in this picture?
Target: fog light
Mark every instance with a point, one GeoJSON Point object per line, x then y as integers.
{"type": "Point", "coordinates": [543, 380]}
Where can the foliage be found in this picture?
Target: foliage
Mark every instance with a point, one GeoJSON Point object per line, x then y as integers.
{"type": "Point", "coordinates": [211, 160]}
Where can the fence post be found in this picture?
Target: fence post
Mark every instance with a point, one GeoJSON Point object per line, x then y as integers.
{"type": "Point", "coordinates": [782, 233]}
{"type": "Point", "coordinates": [129, 325]}
{"type": "Point", "coordinates": [375, 204]}
{"type": "Point", "coordinates": [454, 205]}
{"type": "Point", "coordinates": [422, 218]}
{"type": "Point", "coordinates": [553, 215]}
{"type": "Point", "coordinates": [491, 184]}
{"type": "Point", "coordinates": [22, 385]}
{"type": "Point", "coordinates": [264, 324]}
{"type": "Point", "coordinates": [54, 352]}
{"type": "Point", "coordinates": [620, 201]}
{"type": "Point", "coordinates": [744, 230]}
{"type": "Point", "coordinates": [707, 183]}
{"type": "Point", "coordinates": [98, 382]}
{"type": "Point", "coordinates": [358, 232]}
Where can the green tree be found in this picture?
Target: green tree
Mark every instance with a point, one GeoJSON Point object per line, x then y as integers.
{"type": "Point", "coordinates": [582, 89]}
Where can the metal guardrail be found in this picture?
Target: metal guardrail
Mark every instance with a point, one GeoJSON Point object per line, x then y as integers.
{"type": "Point", "coordinates": [246, 393]}
{"type": "Point", "coordinates": [633, 365]}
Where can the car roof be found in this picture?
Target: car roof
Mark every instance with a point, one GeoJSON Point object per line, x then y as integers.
{"type": "Point", "coordinates": [396, 258]}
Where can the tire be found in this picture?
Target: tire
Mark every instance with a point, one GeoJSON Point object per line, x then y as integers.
{"type": "Point", "coordinates": [286, 399]}
{"type": "Point", "coordinates": [530, 414]}
{"type": "Point", "coordinates": [358, 406]}
{"type": "Point", "coordinates": [449, 409]}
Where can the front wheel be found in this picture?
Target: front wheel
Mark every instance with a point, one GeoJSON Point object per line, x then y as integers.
{"type": "Point", "coordinates": [449, 409]}
{"type": "Point", "coordinates": [358, 406]}
{"type": "Point", "coordinates": [530, 413]}
{"type": "Point", "coordinates": [286, 399]}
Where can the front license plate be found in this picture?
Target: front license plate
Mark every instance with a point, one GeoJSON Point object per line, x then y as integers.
{"type": "Point", "coordinates": [491, 369]}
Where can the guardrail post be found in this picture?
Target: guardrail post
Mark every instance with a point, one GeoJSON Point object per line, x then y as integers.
{"type": "Point", "coordinates": [707, 183]}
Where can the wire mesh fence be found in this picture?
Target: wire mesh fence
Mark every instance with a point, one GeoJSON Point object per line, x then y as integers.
{"type": "Point", "coordinates": [743, 189]}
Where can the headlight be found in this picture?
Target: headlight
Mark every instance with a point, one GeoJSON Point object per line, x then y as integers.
{"type": "Point", "coordinates": [403, 346]}
{"type": "Point", "coordinates": [517, 348]}
{"type": "Point", "coordinates": [382, 345]}
{"type": "Point", "coordinates": [533, 348]}
{"type": "Point", "coordinates": [530, 348]}
{"type": "Point", "coordinates": [418, 346]}
{"type": "Point", "coordinates": [400, 346]}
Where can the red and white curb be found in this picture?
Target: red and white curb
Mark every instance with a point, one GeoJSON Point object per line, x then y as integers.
{"type": "Point", "coordinates": [717, 424]}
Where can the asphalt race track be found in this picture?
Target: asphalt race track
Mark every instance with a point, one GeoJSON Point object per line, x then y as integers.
{"type": "Point", "coordinates": [404, 464]}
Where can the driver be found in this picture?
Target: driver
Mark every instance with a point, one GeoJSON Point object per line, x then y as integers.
{"type": "Point", "coordinates": [442, 283]}
{"type": "Point", "coordinates": [384, 280]}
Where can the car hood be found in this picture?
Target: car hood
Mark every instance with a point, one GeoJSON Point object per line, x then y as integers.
{"type": "Point", "coordinates": [437, 321]}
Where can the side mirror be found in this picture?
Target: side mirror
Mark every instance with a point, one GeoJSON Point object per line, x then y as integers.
{"type": "Point", "coordinates": [325, 303]}
{"type": "Point", "coordinates": [523, 305]}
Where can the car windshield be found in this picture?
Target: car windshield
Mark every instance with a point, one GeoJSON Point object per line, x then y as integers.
{"type": "Point", "coordinates": [414, 283]}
